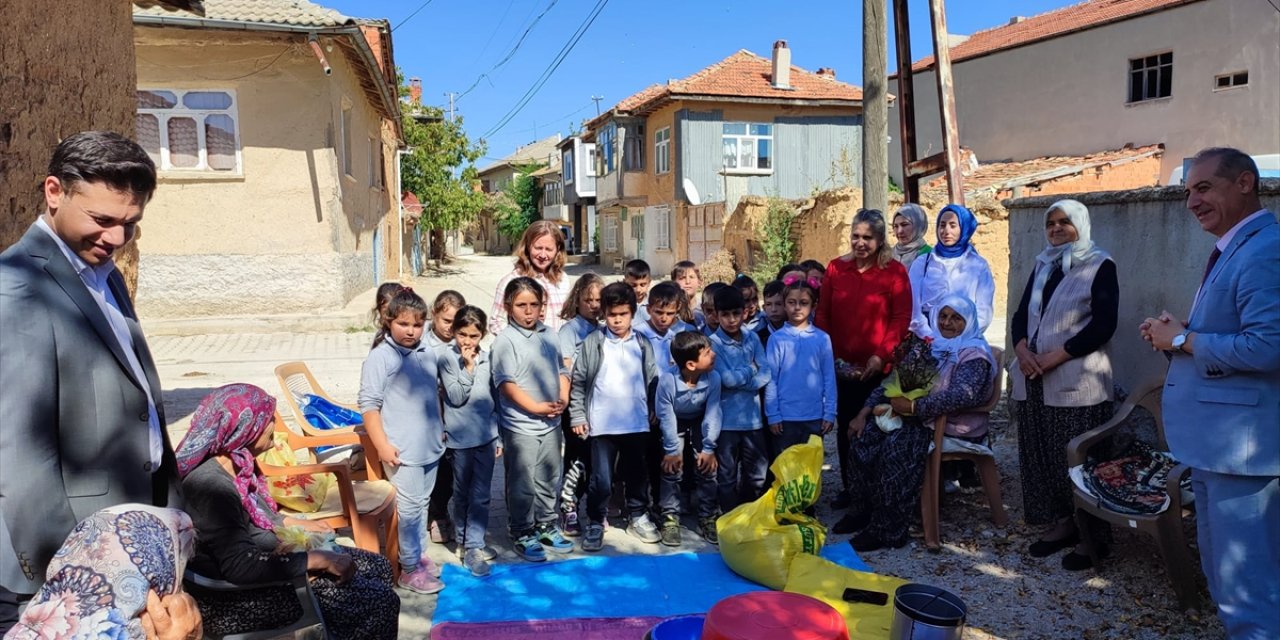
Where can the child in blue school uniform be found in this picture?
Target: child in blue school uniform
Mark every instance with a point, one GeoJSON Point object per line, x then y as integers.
{"type": "Point", "coordinates": [666, 305]}
{"type": "Point", "coordinates": [687, 405]}
{"type": "Point", "coordinates": [752, 316]}
{"type": "Point", "coordinates": [800, 399]}
{"type": "Point", "coordinates": [709, 321]}
{"type": "Point", "coordinates": [439, 336]}
{"type": "Point", "coordinates": [741, 453]}
{"type": "Point", "coordinates": [582, 313]}
{"type": "Point", "coordinates": [532, 389]}
{"type": "Point", "coordinates": [471, 433]}
{"type": "Point", "coordinates": [408, 433]}
{"type": "Point", "coordinates": [611, 402]}
{"type": "Point", "coordinates": [639, 276]}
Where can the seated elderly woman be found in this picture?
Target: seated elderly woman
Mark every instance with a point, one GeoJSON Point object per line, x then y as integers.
{"type": "Point", "coordinates": [238, 533]}
{"type": "Point", "coordinates": [888, 467]}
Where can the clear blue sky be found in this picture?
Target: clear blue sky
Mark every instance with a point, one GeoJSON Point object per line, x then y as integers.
{"type": "Point", "coordinates": [449, 44]}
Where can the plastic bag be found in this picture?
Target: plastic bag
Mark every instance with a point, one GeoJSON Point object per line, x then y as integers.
{"type": "Point", "coordinates": [323, 414]}
{"type": "Point", "coordinates": [827, 581]}
{"type": "Point", "coordinates": [759, 539]}
{"type": "Point", "coordinates": [300, 494]}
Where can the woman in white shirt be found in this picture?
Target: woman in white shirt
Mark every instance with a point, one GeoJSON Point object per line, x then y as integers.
{"type": "Point", "coordinates": [953, 267]}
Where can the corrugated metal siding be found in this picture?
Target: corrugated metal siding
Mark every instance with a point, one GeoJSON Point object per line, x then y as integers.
{"type": "Point", "coordinates": [806, 150]}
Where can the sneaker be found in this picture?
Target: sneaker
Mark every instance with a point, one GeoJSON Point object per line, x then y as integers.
{"type": "Point", "coordinates": [551, 538]}
{"type": "Point", "coordinates": [427, 565]}
{"type": "Point", "coordinates": [671, 530]}
{"type": "Point", "coordinates": [530, 549]}
{"type": "Point", "coordinates": [593, 538]}
{"type": "Point", "coordinates": [569, 524]}
{"type": "Point", "coordinates": [707, 529]}
{"type": "Point", "coordinates": [644, 530]}
{"type": "Point", "coordinates": [420, 580]}
{"type": "Point", "coordinates": [475, 562]}
{"type": "Point", "coordinates": [488, 553]}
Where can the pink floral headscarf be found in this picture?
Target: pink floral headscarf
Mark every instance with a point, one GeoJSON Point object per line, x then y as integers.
{"type": "Point", "coordinates": [225, 424]}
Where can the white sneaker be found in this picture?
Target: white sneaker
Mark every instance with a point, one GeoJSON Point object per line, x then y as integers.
{"type": "Point", "coordinates": [644, 530]}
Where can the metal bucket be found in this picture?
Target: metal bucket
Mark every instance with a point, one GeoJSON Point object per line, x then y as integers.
{"type": "Point", "coordinates": [923, 612]}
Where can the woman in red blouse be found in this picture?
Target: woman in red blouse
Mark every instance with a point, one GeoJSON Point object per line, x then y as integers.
{"type": "Point", "coordinates": [865, 306]}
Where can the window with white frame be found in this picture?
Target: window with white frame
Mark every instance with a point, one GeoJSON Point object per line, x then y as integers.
{"type": "Point", "coordinates": [190, 131]}
{"type": "Point", "coordinates": [609, 234]}
{"type": "Point", "coordinates": [552, 194]}
{"type": "Point", "coordinates": [567, 166]}
{"type": "Point", "coordinates": [1151, 77]}
{"type": "Point", "coordinates": [1231, 80]}
{"type": "Point", "coordinates": [347, 150]}
{"type": "Point", "coordinates": [662, 241]}
{"type": "Point", "coordinates": [662, 150]}
{"type": "Point", "coordinates": [591, 161]}
{"type": "Point", "coordinates": [747, 146]}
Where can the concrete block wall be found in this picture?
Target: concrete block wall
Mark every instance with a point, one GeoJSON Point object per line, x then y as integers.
{"type": "Point", "coordinates": [1159, 249]}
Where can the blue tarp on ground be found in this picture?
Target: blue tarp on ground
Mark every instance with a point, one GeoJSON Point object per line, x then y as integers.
{"type": "Point", "coordinates": [601, 587]}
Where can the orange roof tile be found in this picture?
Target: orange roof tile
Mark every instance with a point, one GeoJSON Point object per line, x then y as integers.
{"type": "Point", "coordinates": [999, 176]}
{"type": "Point", "coordinates": [741, 75]}
{"type": "Point", "coordinates": [1059, 22]}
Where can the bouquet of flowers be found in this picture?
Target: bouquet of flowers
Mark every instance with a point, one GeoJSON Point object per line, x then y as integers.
{"type": "Point", "coordinates": [914, 371]}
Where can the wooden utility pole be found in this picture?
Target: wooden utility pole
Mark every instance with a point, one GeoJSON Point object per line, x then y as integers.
{"type": "Point", "coordinates": [946, 161]}
{"type": "Point", "coordinates": [875, 108]}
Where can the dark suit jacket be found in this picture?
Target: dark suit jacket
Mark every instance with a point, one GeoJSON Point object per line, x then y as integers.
{"type": "Point", "coordinates": [74, 434]}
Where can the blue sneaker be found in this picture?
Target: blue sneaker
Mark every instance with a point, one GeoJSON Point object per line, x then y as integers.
{"type": "Point", "coordinates": [551, 538]}
{"type": "Point", "coordinates": [530, 549]}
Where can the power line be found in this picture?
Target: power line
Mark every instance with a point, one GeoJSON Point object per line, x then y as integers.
{"type": "Point", "coordinates": [415, 12]}
{"type": "Point", "coordinates": [567, 115]}
{"type": "Point", "coordinates": [512, 52]}
{"type": "Point", "coordinates": [485, 48]}
{"type": "Point", "coordinates": [551, 68]}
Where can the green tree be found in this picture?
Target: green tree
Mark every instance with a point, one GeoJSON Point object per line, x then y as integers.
{"type": "Point", "coordinates": [439, 168]}
{"type": "Point", "coordinates": [776, 243]}
{"type": "Point", "coordinates": [521, 207]}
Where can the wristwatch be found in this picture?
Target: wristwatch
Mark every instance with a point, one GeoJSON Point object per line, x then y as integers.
{"type": "Point", "coordinates": [1180, 340]}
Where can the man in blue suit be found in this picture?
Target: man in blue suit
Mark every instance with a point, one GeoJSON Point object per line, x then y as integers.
{"type": "Point", "coordinates": [1222, 392]}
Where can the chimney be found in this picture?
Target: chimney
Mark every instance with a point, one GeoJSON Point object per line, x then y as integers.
{"type": "Point", "coordinates": [415, 91]}
{"type": "Point", "coordinates": [1017, 19]}
{"type": "Point", "coordinates": [827, 72]}
{"type": "Point", "coordinates": [781, 65]}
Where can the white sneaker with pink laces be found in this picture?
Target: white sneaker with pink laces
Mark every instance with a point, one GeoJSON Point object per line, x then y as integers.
{"type": "Point", "coordinates": [420, 580]}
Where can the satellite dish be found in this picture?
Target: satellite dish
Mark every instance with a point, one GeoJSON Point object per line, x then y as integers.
{"type": "Point", "coordinates": [691, 192]}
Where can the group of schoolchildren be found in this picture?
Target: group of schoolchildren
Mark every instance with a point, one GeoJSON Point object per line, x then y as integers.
{"type": "Point", "coordinates": [638, 400]}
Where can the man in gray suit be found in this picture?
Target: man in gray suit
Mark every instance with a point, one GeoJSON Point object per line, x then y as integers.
{"type": "Point", "coordinates": [1222, 392]}
{"type": "Point", "coordinates": [81, 420]}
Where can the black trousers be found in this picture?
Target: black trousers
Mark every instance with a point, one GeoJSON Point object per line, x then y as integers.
{"type": "Point", "coordinates": [850, 396]}
{"type": "Point", "coordinates": [704, 491]}
{"type": "Point", "coordinates": [630, 453]}
{"type": "Point", "coordinates": [10, 602]}
{"type": "Point", "coordinates": [438, 509]}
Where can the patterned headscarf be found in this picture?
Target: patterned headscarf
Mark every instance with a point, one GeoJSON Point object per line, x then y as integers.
{"type": "Point", "coordinates": [97, 583]}
{"type": "Point", "coordinates": [914, 213]}
{"type": "Point", "coordinates": [226, 423]}
{"type": "Point", "coordinates": [968, 225]}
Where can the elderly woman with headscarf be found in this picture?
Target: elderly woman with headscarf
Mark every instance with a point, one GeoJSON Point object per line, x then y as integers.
{"type": "Point", "coordinates": [889, 462]}
{"type": "Point", "coordinates": [109, 575]}
{"type": "Point", "coordinates": [953, 266]}
{"type": "Point", "coordinates": [909, 225]}
{"type": "Point", "coordinates": [239, 533]}
{"type": "Point", "coordinates": [1061, 378]}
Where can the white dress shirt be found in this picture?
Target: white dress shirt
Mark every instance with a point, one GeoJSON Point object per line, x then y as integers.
{"type": "Point", "coordinates": [95, 280]}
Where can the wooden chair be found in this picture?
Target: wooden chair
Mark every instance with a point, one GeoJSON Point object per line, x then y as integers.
{"type": "Point", "coordinates": [1165, 527]}
{"type": "Point", "coordinates": [986, 469]}
{"type": "Point", "coordinates": [364, 506]}
{"type": "Point", "coordinates": [296, 381]}
{"type": "Point", "coordinates": [302, 588]}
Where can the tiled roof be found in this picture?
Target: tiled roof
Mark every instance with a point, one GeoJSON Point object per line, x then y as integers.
{"type": "Point", "coordinates": [1045, 26]}
{"type": "Point", "coordinates": [533, 152]}
{"type": "Point", "coordinates": [291, 12]}
{"type": "Point", "coordinates": [999, 176]}
{"type": "Point", "coordinates": [741, 75]}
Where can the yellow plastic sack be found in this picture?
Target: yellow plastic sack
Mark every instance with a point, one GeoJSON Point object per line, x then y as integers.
{"type": "Point", "coordinates": [300, 494]}
{"type": "Point", "coordinates": [759, 539]}
{"type": "Point", "coordinates": [826, 581]}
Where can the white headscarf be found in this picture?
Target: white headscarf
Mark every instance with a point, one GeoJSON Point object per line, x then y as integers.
{"type": "Point", "coordinates": [947, 350]}
{"type": "Point", "coordinates": [1067, 254]}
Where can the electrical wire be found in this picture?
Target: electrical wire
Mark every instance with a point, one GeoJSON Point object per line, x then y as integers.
{"type": "Point", "coordinates": [512, 52]}
{"type": "Point", "coordinates": [550, 70]}
{"type": "Point", "coordinates": [501, 21]}
{"type": "Point", "coordinates": [415, 12]}
{"type": "Point", "coordinates": [554, 120]}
